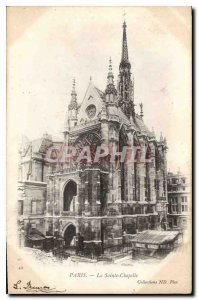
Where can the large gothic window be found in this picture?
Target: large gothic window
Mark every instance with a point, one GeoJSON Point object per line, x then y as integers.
{"type": "Point", "coordinates": [92, 140]}
{"type": "Point", "coordinates": [70, 192]}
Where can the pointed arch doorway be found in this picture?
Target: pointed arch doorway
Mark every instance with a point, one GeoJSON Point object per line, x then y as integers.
{"type": "Point", "coordinates": [69, 236]}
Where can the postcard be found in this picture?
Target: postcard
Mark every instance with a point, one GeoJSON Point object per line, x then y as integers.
{"type": "Point", "coordinates": [99, 137]}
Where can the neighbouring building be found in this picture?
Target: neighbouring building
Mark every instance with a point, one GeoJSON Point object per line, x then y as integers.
{"type": "Point", "coordinates": [98, 206]}
{"type": "Point", "coordinates": [179, 208]}
{"type": "Point", "coordinates": [156, 243]}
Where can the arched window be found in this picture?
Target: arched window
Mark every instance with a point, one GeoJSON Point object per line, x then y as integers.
{"type": "Point", "coordinates": [70, 192]}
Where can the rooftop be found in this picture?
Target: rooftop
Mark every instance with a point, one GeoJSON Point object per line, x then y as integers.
{"type": "Point", "coordinates": [156, 237]}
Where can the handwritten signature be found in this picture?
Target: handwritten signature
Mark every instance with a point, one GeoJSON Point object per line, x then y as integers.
{"type": "Point", "coordinates": [30, 288]}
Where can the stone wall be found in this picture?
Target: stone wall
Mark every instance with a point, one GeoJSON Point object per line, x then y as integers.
{"type": "Point", "coordinates": [37, 193]}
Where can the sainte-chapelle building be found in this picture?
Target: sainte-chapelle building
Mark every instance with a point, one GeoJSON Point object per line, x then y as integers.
{"type": "Point", "coordinates": [94, 203]}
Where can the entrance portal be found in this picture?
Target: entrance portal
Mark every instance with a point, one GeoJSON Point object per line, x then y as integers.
{"type": "Point", "coordinates": [69, 234]}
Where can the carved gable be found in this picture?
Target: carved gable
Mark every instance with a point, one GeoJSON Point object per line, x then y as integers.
{"type": "Point", "coordinates": [91, 105]}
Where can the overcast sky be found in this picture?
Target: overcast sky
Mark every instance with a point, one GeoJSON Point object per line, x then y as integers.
{"type": "Point", "coordinates": [48, 46]}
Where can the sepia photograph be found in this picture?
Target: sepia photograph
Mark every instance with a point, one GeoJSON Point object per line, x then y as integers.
{"type": "Point", "coordinates": [99, 150]}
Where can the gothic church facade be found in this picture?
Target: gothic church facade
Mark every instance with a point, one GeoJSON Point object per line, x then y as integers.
{"type": "Point", "coordinates": [96, 204]}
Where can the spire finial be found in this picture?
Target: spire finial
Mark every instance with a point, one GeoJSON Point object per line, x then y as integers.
{"type": "Point", "coordinates": [74, 86]}
{"type": "Point", "coordinates": [110, 64]}
{"type": "Point", "coordinates": [141, 110]}
{"type": "Point", "coordinates": [73, 107]}
{"type": "Point", "coordinates": [73, 93]}
{"type": "Point", "coordinates": [110, 76]}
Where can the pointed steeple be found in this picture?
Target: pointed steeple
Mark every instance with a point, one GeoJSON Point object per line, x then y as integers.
{"type": "Point", "coordinates": [110, 91]}
{"type": "Point", "coordinates": [125, 56]}
{"type": "Point", "coordinates": [125, 84]}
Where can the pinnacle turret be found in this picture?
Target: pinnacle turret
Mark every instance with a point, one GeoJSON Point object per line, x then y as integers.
{"type": "Point", "coordinates": [73, 107]}
{"type": "Point", "coordinates": [110, 91]}
{"type": "Point", "coordinates": [73, 102]}
{"type": "Point", "coordinates": [141, 110]}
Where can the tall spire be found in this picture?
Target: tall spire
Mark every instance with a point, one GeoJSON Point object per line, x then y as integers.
{"type": "Point", "coordinates": [125, 84]}
{"type": "Point", "coordinates": [125, 56]}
